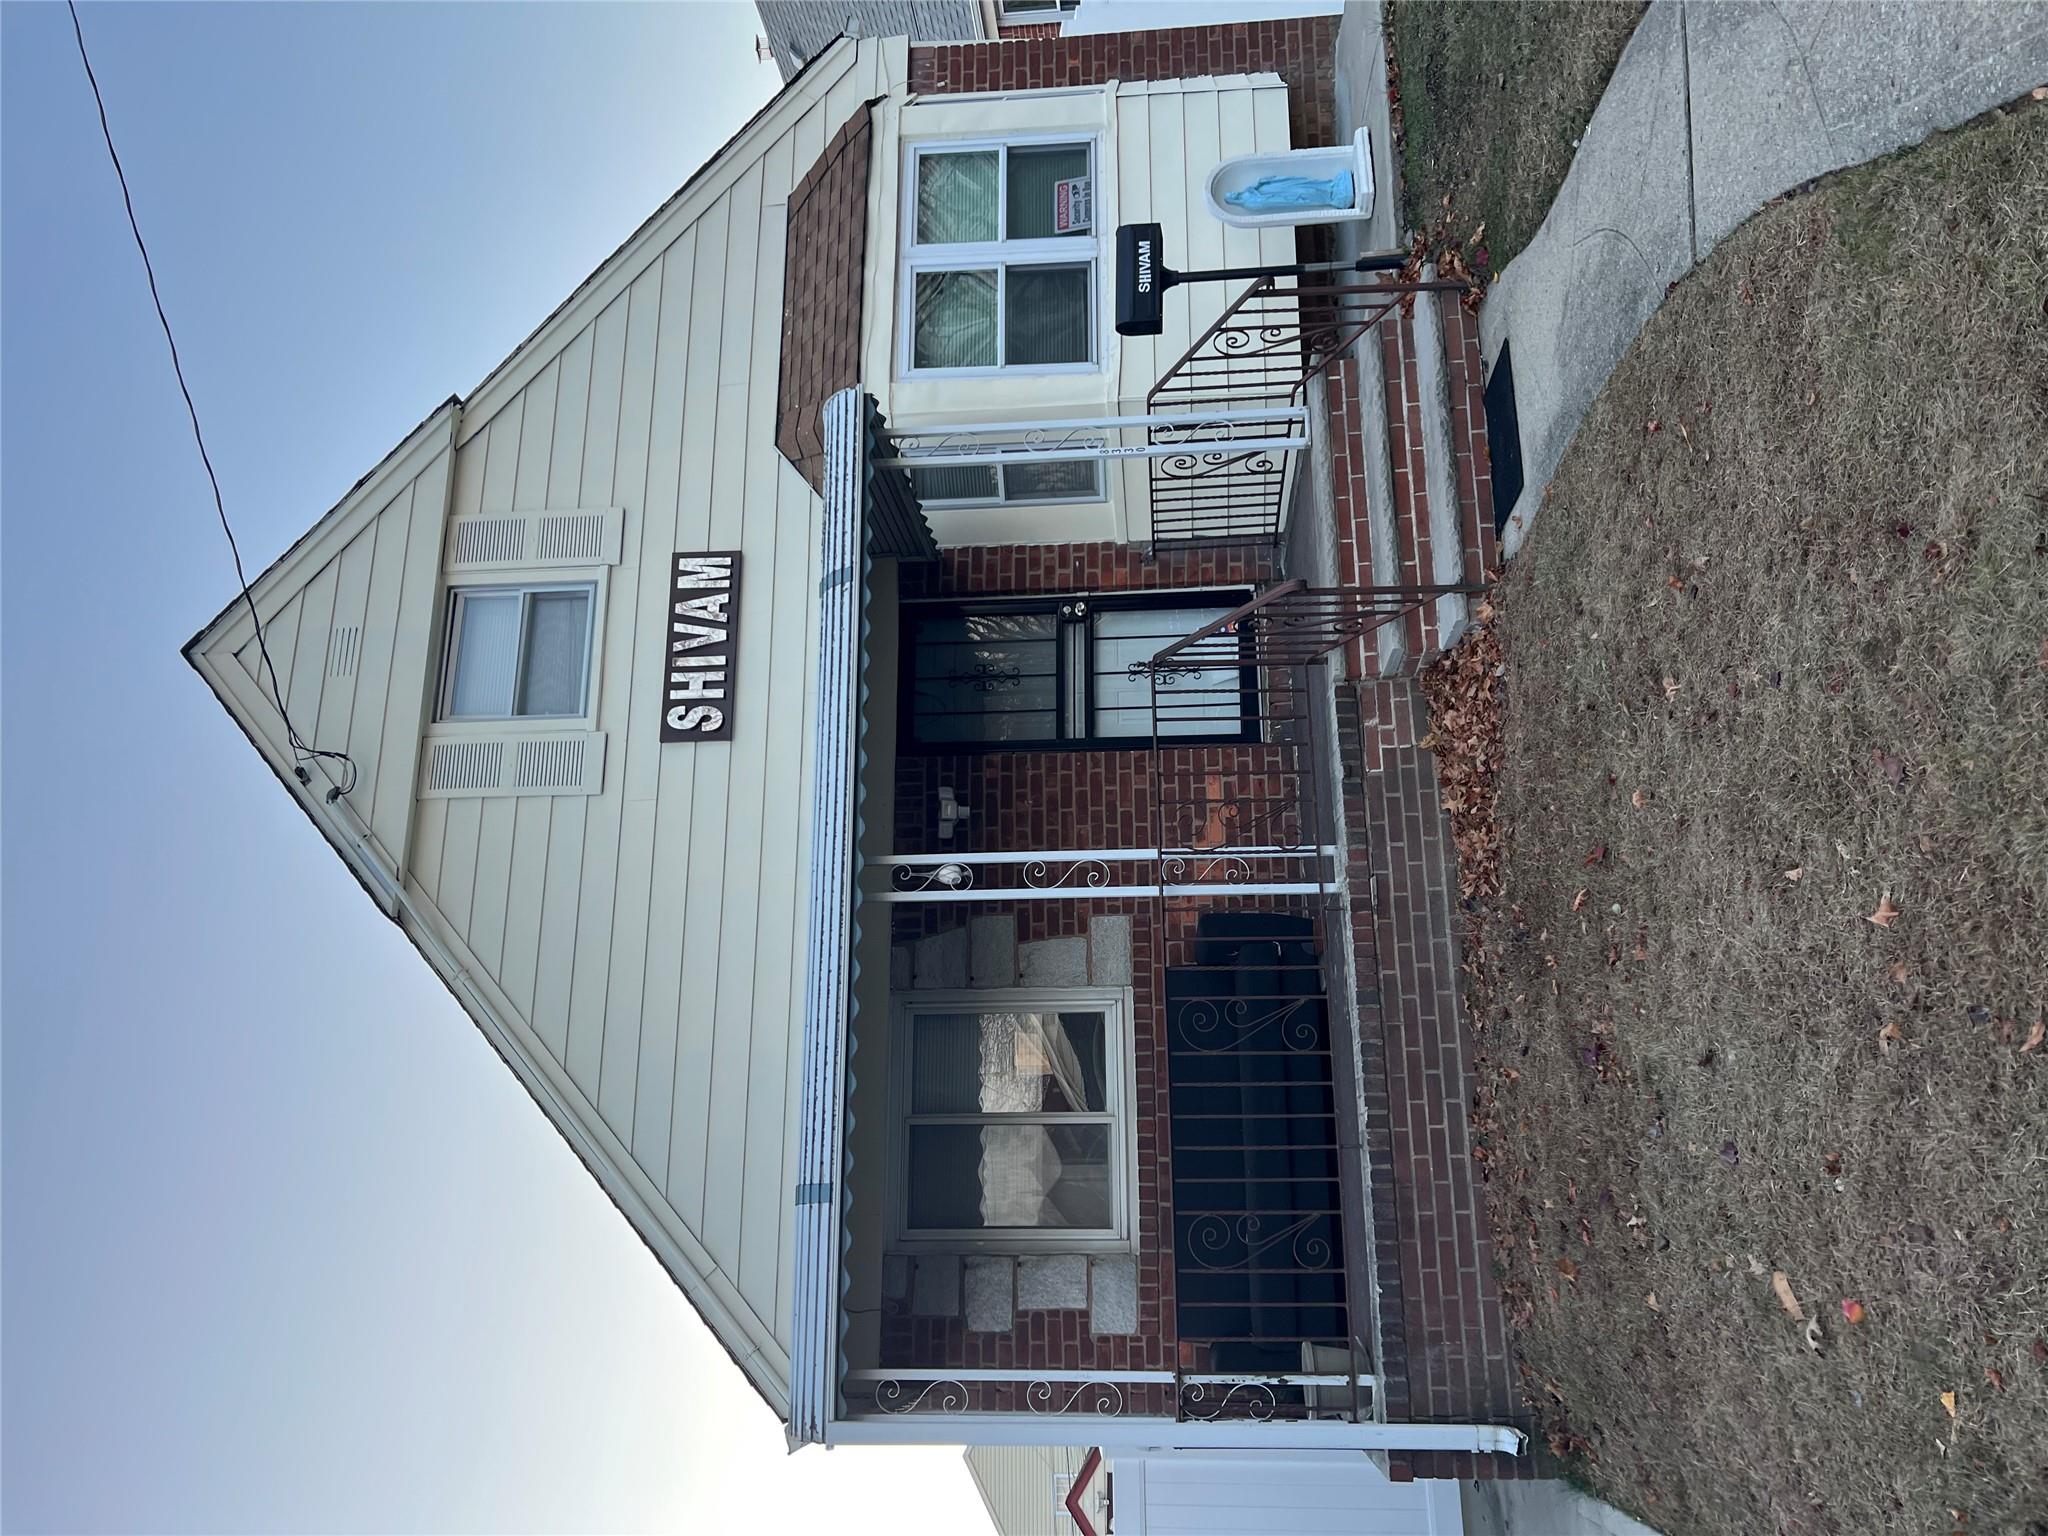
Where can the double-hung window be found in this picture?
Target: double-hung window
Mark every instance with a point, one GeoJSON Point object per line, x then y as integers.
{"type": "Point", "coordinates": [1000, 485]}
{"type": "Point", "coordinates": [518, 652]}
{"type": "Point", "coordinates": [1012, 1126]}
{"type": "Point", "coordinates": [1066, 672]}
{"type": "Point", "coordinates": [1000, 253]}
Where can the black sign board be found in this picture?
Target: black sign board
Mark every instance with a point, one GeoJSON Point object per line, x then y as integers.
{"type": "Point", "coordinates": [1141, 279]}
{"type": "Point", "coordinates": [703, 624]}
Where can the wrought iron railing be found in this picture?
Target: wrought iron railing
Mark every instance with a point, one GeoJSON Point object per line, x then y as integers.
{"type": "Point", "coordinates": [1259, 354]}
{"type": "Point", "coordinates": [1333, 1384]}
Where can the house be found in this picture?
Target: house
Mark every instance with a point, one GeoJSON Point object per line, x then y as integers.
{"type": "Point", "coordinates": [797, 31]}
{"type": "Point", "coordinates": [923, 789]}
{"type": "Point", "coordinates": [1041, 1490]}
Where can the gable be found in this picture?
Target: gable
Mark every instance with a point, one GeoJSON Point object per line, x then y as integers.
{"type": "Point", "coordinates": [626, 933]}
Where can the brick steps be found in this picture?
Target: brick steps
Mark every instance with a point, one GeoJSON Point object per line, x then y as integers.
{"type": "Point", "coordinates": [1413, 490]}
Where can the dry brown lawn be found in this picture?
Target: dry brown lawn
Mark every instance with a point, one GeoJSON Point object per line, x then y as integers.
{"type": "Point", "coordinates": [1763, 994]}
{"type": "Point", "coordinates": [1494, 96]}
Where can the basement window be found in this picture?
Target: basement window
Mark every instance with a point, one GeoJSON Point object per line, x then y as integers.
{"type": "Point", "coordinates": [1012, 1127]}
{"type": "Point", "coordinates": [518, 652]}
{"type": "Point", "coordinates": [1044, 481]}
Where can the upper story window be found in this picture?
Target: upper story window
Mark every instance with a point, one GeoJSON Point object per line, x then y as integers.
{"type": "Point", "coordinates": [1065, 672]}
{"type": "Point", "coordinates": [999, 257]}
{"type": "Point", "coordinates": [518, 652]}
{"type": "Point", "coordinates": [1017, 12]}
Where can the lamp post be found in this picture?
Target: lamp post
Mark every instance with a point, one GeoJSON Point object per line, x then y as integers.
{"type": "Point", "coordinates": [1142, 275]}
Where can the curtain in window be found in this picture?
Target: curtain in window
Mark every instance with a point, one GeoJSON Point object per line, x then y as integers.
{"type": "Point", "coordinates": [969, 1177]}
{"type": "Point", "coordinates": [1035, 171]}
{"type": "Point", "coordinates": [1046, 314]}
{"type": "Point", "coordinates": [486, 654]}
{"type": "Point", "coordinates": [557, 627]}
{"type": "Point", "coordinates": [956, 197]}
{"type": "Point", "coordinates": [955, 320]}
{"type": "Point", "coordinates": [1051, 480]}
{"type": "Point", "coordinates": [955, 482]}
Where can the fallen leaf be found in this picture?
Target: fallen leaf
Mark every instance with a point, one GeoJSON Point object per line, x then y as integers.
{"type": "Point", "coordinates": [1670, 687]}
{"type": "Point", "coordinates": [1652, 1303]}
{"type": "Point", "coordinates": [2039, 93]}
{"type": "Point", "coordinates": [1639, 799]}
{"type": "Point", "coordinates": [1894, 769]}
{"type": "Point", "coordinates": [1596, 855]}
{"type": "Point", "coordinates": [2035, 1036]}
{"type": "Point", "coordinates": [1813, 1334]}
{"type": "Point", "coordinates": [1891, 1034]}
{"type": "Point", "coordinates": [1579, 900]}
{"type": "Point", "coordinates": [1568, 1268]}
{"type": "Point", "coordinates": [1948, 1401]}
{"type": "Point", "coordinates": [1899, 972]}
{"type": "Point", "coordinates": [1853, 1311]}
{"type": "Point", "coordinates": [1786, 1299]}
{"type": "Point", "coordinates": [1795, 872]}
{"type": "Point", "coordinates": [1654, 425]}
{"type": "Point", "coordinates": [1995, 1376]}
{"type": "Point", "coordinates": [2039, 1351]}
{"type": "Point", "coordinates": [1886, 914]}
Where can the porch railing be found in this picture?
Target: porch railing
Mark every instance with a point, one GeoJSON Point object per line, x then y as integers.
{"type": "Point", "coordinates": [1261, 352]}
{"type": "Point", "coordinates": [1342, 1391]}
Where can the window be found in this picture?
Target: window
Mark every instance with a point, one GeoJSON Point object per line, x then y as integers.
{"type": "Point", "coordinates": [994, 485]}
{"type": "Point", "coordinates": [1000, 251]}
{"type": "Point", "coordinates": [1015, 11]}
{"type": "Point", "coordinates": [1059, 673]}
{"type": "Point", "coordinates": [1011, 1125]}
{"type": "Point", "coordinates": [517, 653]}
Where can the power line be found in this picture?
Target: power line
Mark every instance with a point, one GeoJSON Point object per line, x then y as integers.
{"type": "Point", "coordinates": [301, 749]}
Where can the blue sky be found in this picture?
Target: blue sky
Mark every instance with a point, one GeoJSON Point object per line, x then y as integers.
{"type": "Point", "coordinates": [286, 1247]}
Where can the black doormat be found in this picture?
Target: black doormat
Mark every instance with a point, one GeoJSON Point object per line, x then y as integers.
{"type": "Point", "coordinates": [1503, 438]}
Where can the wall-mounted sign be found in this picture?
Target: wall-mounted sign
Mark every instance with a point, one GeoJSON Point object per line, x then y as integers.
{"type": "Point", "coordinates": [1073, 205]}
{"type": "Point", "coordinates": [703, 621]}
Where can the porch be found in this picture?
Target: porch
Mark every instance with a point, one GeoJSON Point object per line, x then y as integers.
{"type": "Point", "coordinates": [1300, 1262]}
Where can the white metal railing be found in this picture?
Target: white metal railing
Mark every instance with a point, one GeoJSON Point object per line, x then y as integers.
{"type": "Point", "coordinates": [1172, 1396]}
{"type": "Point", "coordinates": [1084, 874]}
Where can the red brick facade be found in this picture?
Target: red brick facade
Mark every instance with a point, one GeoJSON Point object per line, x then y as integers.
{"type": "Point", "coordinates": [824, 247]}
{"type": "Point", "coordinates": [1053, 799]}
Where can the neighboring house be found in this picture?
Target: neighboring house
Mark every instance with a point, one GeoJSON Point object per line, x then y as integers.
{"type": "Point", "coordinates": [1028, 1489]}
{"type": "Point", "coordinates": [799, 30]}
{"type": "Point", "coordinates": [830, 709]}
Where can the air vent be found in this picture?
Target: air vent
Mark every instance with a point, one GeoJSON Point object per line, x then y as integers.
{"type": "Point", "coordinates": [580, 537]}
{"type": "Point", "coordinates": [455, 766]}
{"type": "Point", "coordinates": [554, 763]}
{"type": "Point", "coordinates": [498, 540]}
{"type": "Point", "coordinates": [343, 646]}
{"type": "Point", "coordinates": [489, 541]}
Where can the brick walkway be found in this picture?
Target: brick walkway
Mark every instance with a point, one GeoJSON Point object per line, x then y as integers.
{"type": "Point", "coordinates": [1444, 1351]}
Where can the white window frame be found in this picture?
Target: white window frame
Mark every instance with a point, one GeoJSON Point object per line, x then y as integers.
{"type": "Point", "coordinates": [1058, 250]}
{"type": "Point", "coordinates": [592, 585]}
{"type": "Point", "coordinates": [1120, 1082]}
{"type": "Point", "coordinates": [1029, 12]}
{"type": "Point", "coordinates": [1004, 499]}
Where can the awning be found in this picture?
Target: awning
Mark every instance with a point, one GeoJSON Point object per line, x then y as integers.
{"type": "Point", "coordinates": [870, 513]}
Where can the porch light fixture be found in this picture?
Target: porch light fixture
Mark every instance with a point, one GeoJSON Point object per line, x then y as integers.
{"type": "Point", "coordinates": [1142, 275]}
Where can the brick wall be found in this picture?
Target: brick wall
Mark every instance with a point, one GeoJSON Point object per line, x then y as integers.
{"type": "Point", "coordinates": [824, 246]}
{"type": "Point", "coordinates": [1055, 799]}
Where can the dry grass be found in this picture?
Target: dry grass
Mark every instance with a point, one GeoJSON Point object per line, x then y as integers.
{"type": "Point", "coordinates": [1779, 647]}
{"type": "Point", "coordinates": [1494, 97]}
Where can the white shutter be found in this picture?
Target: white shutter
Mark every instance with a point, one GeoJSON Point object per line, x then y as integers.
{"type": "Point", "coordinates": [539, 763]}
{"type": "Point", "coordinates": [489, 541]}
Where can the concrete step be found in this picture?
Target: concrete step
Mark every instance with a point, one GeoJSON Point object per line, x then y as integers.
{"type": "Point", "coordinates": [1411, 493]}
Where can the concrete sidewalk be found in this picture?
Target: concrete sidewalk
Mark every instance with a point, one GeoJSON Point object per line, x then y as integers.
{"type": "Point", "coordinates": [1716, 107]}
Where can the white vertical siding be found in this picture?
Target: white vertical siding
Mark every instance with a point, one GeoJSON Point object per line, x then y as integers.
{"type": "Point", "coordinates": [639, 944]}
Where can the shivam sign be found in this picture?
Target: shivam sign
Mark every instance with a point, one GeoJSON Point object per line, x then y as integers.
{"type": "Point", "coordinates": [703, 615]}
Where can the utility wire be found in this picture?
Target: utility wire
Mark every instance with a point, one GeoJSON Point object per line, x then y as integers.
{"type": "Point", "coordinates": [301, 749]}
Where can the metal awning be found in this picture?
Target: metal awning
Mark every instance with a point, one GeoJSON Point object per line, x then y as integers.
{"type": "Point", "coordinates": [870, 512]}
